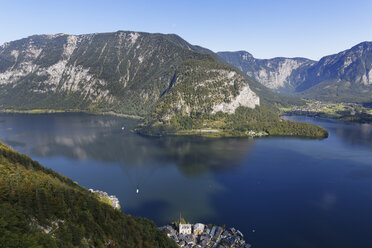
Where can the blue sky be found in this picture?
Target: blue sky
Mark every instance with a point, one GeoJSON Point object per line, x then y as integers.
{"type": "Point", "coordinates": [287, 28]}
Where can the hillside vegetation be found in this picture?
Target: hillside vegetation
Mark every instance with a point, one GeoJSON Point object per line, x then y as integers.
{"type": "Point", "coordinates": [41, 208]}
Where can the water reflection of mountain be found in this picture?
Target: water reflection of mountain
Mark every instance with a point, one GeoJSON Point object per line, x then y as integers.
{"type": "Point", "coordinates": [102, 138]}
{"type": "Point", "coordinates": [190, 154]}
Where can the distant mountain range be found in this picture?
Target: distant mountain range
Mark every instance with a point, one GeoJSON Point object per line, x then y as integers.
{"type": "Point", "coordinates": [346, 76]}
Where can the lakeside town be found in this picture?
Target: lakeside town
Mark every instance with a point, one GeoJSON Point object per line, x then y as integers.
{"type": "Point", "coordinates": [343, 111]}
{"type": "Point", "coordinates": [188, 235]}
{"type": "Point", "coordinates": [202, 236]}
{"type": "Point", "coordinates": [328, 109]}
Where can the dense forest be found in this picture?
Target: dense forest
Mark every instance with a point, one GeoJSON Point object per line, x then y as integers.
{"type": "Point", "coordinates": [41, 208]}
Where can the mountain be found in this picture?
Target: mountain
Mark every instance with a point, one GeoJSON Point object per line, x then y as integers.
{"type": "Point", "coordinates": [279, 74]}
{"type": "Point", "coordinates": [346, 76]}
{"type": "Point", "coordinates": [41, 208]}
{"type": "Point", "coordinates": [125, 72]}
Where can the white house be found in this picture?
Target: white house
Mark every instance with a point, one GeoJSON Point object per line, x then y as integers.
{"type": "Point", "coordinates": [185, 228]}
{"type": "Point", "coordinates": [198, 228]}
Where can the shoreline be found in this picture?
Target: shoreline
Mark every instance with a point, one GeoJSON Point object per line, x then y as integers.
{"type": "Point", "coordinates": [57, 111]}
{"type": "Point", "coordinates": [216, 133]}
{"type": "Point", "coordinates": [345, 118]}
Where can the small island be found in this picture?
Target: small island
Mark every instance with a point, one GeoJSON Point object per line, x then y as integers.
{"type": "Point", "coordinates": [201, 235]}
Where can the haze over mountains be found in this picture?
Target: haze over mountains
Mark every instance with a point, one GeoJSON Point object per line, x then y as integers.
{"type": "Point", "coordinates": [346, 76]}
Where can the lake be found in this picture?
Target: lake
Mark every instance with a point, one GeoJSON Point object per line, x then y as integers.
{"type": "Point", "coordinates": [280, 192]}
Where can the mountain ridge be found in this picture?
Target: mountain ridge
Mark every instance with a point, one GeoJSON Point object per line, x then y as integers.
{"type": "Point", "coordinates": [125, 71]}
{"type": "Point", "coordinates": [346, 75]}
{"type": "Point", "coordinates": [275, 73]}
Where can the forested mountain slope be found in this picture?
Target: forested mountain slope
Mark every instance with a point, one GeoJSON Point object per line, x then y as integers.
{"type": "Point", "coordinates": [41, 208]}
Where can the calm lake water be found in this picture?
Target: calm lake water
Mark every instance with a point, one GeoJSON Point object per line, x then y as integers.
{"type": "Point", "coordinates": [280, 192]}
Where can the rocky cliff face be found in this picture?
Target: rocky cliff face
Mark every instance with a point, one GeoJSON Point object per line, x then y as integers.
{"type": "Point", "coordinates": [46, 64]}
{"type": "Point", "coordinates": [126, 72]}
{"type": "Point", "coordinates": [346, 76]}
{"type": "Point", "coordinates": [279, 74]}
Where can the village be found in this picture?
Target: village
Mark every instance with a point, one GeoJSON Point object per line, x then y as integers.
{"type": "Point", "coordinates": [200, 235]}
{"type": "Point", "coordinates": [326, 109]}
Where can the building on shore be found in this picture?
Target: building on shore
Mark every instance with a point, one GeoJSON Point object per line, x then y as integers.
{"type": "Point", "coordinates": [185, 229]}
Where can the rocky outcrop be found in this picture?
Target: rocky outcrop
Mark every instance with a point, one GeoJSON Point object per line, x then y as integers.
{"type": "Point", "coordinates": [246, 98]}
{"type": "Point", "coordinates": [106, 198]}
